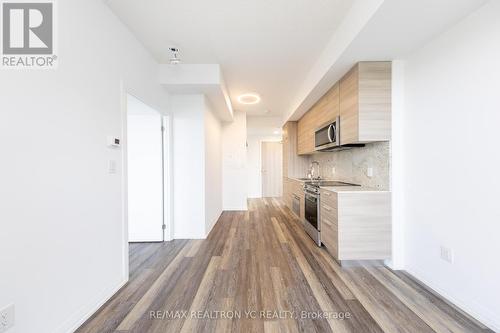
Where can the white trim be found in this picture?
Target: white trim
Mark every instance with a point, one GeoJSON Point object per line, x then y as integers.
{"type": "Point", "coordinates": [168, 217]}
{"type": "Point", "coordinates": [397, 167]}
{"type": "Point", "coordinates": [470, 306]}
{"type": "Point", "coordinates": [213, 224]}
{"type": "Point", "coordinates": [125, 247]}
{"type": "Point", "coordinates": [79, 317]}
{"type": "Point", "coordinates": [236, 209]}
{"type": "Point", "coordinates": [167, 176]}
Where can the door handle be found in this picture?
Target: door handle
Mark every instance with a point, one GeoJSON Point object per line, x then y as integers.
{"type": "Point", "coordinates": [329, 132]}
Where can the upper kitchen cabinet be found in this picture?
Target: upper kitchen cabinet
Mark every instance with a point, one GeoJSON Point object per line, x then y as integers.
{"type": "Point", "coordinates": [294, 166]}
{"type": "Point", "coordinates": [365, 103]}
{"type": "Point", "coordinates": [325, 110]}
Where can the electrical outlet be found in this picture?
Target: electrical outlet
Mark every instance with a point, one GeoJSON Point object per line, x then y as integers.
{"type": "Point", "coordinates": [333, 170]}
{"type": "Point", "coordinates": [6, 318]}
{"type": "Point", "coordinates": [369, 172]}
{"type": "Point", "coordinates": [447, 254]}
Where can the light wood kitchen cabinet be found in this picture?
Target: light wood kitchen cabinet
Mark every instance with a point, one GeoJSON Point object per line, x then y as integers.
{"type": "Point", "coordinates": [356, 225]}
{"type": "Point", "coordinates": [330, 236]}
{"type": "Point", "coordinates": [365, 103]}
{"type": "Point", "coordinates": [287, 192]}
{"type": "Point", "coordinates": [286, 152]}
{"type": "Point", "coordinates": [324, 111]}
{"type": "Point", "coordinates": [294, 166]}
{"type": "Point", "coordinates": [293, 196]}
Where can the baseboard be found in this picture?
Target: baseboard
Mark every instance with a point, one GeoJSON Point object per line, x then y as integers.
{"type": "Point", "coordinates": [471, 307]}
{"type": "Point", "coordinates": [213, 225]}
{"type": "Point", "coordinates": [236, 209]}
{"type": "Point", "coordinates": [85, 312]}
{"type": "Point", "coordinates": [242, 207]}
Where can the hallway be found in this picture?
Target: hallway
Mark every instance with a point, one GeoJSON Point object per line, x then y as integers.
{"type": "Point", "coordinates": [261, 269]}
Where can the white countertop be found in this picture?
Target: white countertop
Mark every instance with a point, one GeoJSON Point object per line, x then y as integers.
{"type": "Point", "coordinates": [347, 189]}
{"type": "Point", "coordinates": [344, 189]}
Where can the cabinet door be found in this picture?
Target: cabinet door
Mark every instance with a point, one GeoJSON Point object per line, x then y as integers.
{"type": "Point", "coordinates": [327, 108]}
{"type": "Point", "coordinates": [287, 192]}
{"type": "Point", "coordinates": [324, 111]}
{"type": "Point", "coordinates": [286, 152]}
{"type": "Point", "coordinates": [329, 236]}
{"type": "Point", "coordinates": [305, 129]}
{"type": "Point", "coordinates": [374, 99]}
{"type": "Point", "coordinates": [349, 121]}
{"type": "Point", "coordinates": [300, 193]}
{"type": "Point", "coordinates": [297, 190]}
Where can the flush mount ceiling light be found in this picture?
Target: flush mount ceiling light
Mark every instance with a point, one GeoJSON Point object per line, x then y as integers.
{"type": "Point", "coordinates": [249, 99]}
{"type": "Point", "coordinates": [175, 58]}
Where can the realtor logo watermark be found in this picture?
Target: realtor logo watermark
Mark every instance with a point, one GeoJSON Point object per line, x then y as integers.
{"type": "Point", "coordinates": [28, 34]}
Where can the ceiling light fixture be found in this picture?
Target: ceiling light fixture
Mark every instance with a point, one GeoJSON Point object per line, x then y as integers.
{"type": "Point", "coordinates": [249, 98]}
{"type": "Point", "coordinates": [175, 59]}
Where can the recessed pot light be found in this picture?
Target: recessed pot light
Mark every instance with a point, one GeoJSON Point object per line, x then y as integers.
{"type": "Point", "coordinates": [249, 99]}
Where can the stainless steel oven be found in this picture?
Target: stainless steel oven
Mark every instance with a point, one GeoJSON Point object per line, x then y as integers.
{"type": "Point", "coordinates": [327, 136]}
{"type": "Point", "coordinates": [312, 220]}
{"type": "Point", "coordinates": [312, 223]}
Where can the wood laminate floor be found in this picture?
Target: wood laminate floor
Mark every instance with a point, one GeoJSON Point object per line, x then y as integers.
{"type": "Point", "coordinates": [259, 272]}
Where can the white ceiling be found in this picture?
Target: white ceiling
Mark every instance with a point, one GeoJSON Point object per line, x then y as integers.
{"type": "Point", "coordinates": [263, 46]}
{"type": "Point", "coordinates": [377, 30]}
{"type": "Point", "coordinates": [264, 126]}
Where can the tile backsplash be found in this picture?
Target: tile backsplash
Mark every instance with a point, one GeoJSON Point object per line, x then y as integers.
{"type": "Point", "coordinates": [352, 165]}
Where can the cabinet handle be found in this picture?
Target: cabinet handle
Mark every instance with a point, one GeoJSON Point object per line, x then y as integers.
{"type": "Point", "coordinates": [328, 209]}
{"type": "Point", "coordinates": [327, 193]}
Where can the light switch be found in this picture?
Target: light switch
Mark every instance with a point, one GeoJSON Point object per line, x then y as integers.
{"type": "Point", "coordinates": [112, 166]}
{"type": "Point", "coordinates": [447, 254]}
{"type": "Point", "coordinates": [333, 170]}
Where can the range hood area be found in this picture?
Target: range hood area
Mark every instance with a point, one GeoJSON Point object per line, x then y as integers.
{"type": "Point", "coordinates": [341, 147]}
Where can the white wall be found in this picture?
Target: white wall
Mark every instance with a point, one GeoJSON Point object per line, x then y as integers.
{"type": "Point", "coordinates": [61, 218]}
{"type": "Point", "coordinates": [397, 167]}
{"type": "Point", "coordinates": [264, 126]}
{"type": "Point", "coordinates": [145, 179]}
{"type": "Point", "coordinates": [254, 163]}
{"type": "Point", "coordinates": [189, 165]}
{"type": "Point", "coordinates": [234, 184]}
{"type": "Point", "coordinates": [197, 166]}
{"type": "Point", "coordinates": [259, 129]}
{"type": "Point", "coordinates": [451, 160]}
{"type": "Point", "coordinates": [213, 168]}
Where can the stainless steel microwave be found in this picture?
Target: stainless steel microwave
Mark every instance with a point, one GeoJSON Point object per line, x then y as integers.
{"type": "Point", "coordinates": [327, 136]}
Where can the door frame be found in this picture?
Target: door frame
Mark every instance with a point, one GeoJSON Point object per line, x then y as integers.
{"type": "Point", "coordinates": [280, 141]}
{"type": "Point", "coordinates": [167, 175]}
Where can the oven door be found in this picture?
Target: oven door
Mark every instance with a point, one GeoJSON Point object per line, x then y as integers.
{"type": "Point", "coordinates": [311, 209]}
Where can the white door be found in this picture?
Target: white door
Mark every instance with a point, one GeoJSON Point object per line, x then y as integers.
{"type": "Point", "coordinates": [272, 169]}
{"type": "Point", "coordinates": [145, 172]}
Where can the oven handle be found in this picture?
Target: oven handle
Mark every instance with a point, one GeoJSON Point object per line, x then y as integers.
{"type": "Point", "coordinates": [312, 195]}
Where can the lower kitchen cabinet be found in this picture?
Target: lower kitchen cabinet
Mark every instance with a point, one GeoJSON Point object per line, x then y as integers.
{"type": "Point", "coordinates": [356, 225]}
{"type": "Point", "coordinates": [330, 236]}
{"type": "Point", "coordinates": [293, 195]}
